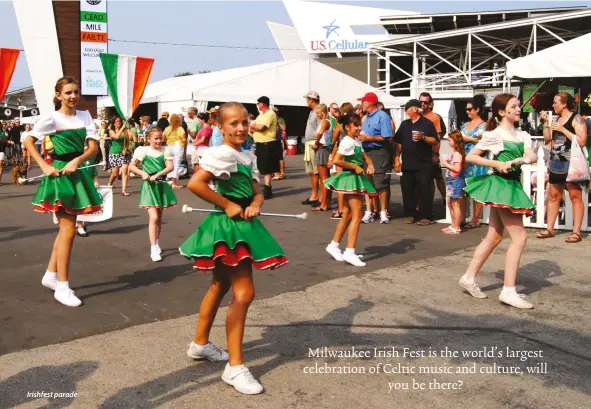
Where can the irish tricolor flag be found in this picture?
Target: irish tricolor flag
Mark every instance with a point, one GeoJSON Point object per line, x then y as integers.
{"type": "Point", "coordinates": [127, 77]}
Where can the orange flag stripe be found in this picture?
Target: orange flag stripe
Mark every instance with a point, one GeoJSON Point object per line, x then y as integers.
{"type": "Point", "coordinates": [143, 69]}
{"type": "Point", "coordinates": [8, 58]}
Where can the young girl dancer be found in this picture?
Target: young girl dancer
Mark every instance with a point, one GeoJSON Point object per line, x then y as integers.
{"type": "Point", "coordinates": [230, 243]}
{"type": "Point", "coordinates": [351, 158]}
{"type": "Point", "coordinates": [155, 194]}
{"type": "Point", "coordinates": [455, 181]}
{"type": "Point", "coordinates": [502, 191]}
{"type": "Point", "coordinates": [65, 190]}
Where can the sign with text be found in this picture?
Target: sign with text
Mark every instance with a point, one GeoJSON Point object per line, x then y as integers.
{"type": "Point", "coordinates": [93, 41]}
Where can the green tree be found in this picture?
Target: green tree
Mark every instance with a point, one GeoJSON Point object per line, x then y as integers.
{"type": "Point", "coordinates": [183, 74]}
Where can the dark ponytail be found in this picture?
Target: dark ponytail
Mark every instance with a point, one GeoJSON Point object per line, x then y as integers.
{"type": "Point", "coordinates": [499, 104]}
{"type": "Point", "coordinates": [59, 85]}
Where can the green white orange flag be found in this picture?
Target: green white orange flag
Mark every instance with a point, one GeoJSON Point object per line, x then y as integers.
{"type": "Point", "coordinates": [8, 58]}
{"type": "Point", "coordinates": [127, 77]}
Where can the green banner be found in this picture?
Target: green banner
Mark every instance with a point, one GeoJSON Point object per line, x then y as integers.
{"type": "Point", "coordinates": [568, 90]}
{"type": "Point", "coordinates": [528, 90]}
{"type": "Point", "coordinates": [93, 16]}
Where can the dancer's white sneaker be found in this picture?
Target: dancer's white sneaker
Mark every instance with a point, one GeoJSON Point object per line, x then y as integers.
{"type": "Point", "coordinates": [335, 252]}
{"type": "Point", "coordinates": [384, 218]}
{"type": "Point", "coordinates": [49, 280]}
{"type": "Point", "coordinates": [241, 379]}
{"type": "Point", "coordinates": [514, 299]}
{"type": "Point", "coordinates": [353, 259]}
{"type": "Point", "coordinates": [473, 288]}
{"type": "Point", "coordinates": [210, 352]}
{"type": "Point", "coordinates": [367, 217]}
{"type": "Point", "coordinates": [67, 297]}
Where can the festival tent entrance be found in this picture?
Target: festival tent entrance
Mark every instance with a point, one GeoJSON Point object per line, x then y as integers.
{"type": "Point", "coordinates": [285, 83]}
{"type": "Point", "coordinates": [566, 60]}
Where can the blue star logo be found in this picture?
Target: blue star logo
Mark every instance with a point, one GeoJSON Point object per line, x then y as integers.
{"type": "Point", "coordinates": [331, 28]}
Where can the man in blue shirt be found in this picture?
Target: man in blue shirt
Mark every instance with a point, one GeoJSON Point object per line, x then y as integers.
{"type": "Point", "coordinates": [376, 135]}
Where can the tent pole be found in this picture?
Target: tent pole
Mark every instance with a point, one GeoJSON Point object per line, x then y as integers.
{"type": "Point", "coordinates": [534, 93]}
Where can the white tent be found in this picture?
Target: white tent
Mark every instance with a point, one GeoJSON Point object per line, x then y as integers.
{"type": "Point", "coordinates": [568, 59]}
{"type": "Point", "coordinates": [285, 83]}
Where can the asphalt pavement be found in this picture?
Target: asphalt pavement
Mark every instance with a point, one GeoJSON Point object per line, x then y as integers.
{"type": "Point", "coordinates": [124, 348]}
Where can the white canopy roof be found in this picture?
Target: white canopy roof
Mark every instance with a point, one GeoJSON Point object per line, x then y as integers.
{"type": "Point", "coordinates": [285, 83]}
{"type": "Point", "coordinates": [568, 59]}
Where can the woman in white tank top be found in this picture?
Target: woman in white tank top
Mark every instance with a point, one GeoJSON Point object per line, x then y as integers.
{"type": "Point", "coordinates": [323, 148]}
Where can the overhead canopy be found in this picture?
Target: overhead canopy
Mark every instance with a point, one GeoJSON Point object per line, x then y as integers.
{"type": "Point", "coordinates": [565, 60]}
{"type": "Point", "coordinates": [285, 83]}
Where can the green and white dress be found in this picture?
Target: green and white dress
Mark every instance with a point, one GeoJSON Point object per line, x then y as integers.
{"type": "Point", "coordinates": [225, 240]}
{"type": "Point", "coordinates": [75, 193]}
{"type": "Point", "coordinates": [502, 190]}
{"type": "Point", "coordinates": [349, 182]}
{"type": "Point", "coordinates": [154, 194]}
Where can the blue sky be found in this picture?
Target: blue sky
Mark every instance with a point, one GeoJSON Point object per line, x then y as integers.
{"type": "Point", "coordinates": [218, 22]}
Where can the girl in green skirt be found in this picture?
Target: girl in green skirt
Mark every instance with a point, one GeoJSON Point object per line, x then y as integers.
{"type": "Point", "coordinates": [65, 190]}
{"type": "Point", "coordinates": [351, 182]}
{"type": "Point", "coordinates": [155, 194]}
{"type": "Point", "coordinates": [229, 243]}
{"type": "Point", "coordinates": [501, 189]}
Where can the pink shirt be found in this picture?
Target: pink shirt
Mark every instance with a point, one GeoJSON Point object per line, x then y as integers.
{"type": "Point", "coordinates": [206, 132]}
{"type": "Point", "coordinates": [453, 158]}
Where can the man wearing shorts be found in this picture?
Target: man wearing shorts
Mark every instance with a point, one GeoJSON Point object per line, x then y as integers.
{"type": "Point", "coordinates": [376, 133]}
{"type": "Point", "coordinates": [268, 151]}
{"type": "Point", "coordinates": [312, 100]}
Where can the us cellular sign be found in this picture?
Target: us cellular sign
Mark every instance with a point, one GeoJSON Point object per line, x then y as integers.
{"type": "Point", "coordinates": [93, 41]}
{"type": "Point", "coordinates": [336, 44]}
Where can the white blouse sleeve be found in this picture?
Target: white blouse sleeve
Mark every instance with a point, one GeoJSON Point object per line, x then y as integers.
{"type": "Point", "coordinates": [91, 132]}
{"type": "Point", "coordinates": [139, 154]}
{"type": "Point", "coordinates": [219, 161]}
{"type": "Point", "coordinates": [256, 175]}
{"type": "Point", "coordinates": [347, 147]}
{"type": "Point", "coordinates": [167, 154]}
{"type": "Point", "coordinates": [43, 127]}
{"type": "Point", "coordinates": [490, 142]}
{"type": "Point", "coordinates": [526, 139]}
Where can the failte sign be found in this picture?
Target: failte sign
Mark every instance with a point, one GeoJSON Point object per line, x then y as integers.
{"type": "Point", "coordinates": [93, 41]}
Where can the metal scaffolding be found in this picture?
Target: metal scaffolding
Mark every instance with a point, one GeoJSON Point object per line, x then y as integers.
{"type": "Point", "coordinates": [453, 63]}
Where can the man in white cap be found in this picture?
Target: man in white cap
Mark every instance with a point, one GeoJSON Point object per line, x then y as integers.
{"type": "Point", "coordinates": [312, 99]}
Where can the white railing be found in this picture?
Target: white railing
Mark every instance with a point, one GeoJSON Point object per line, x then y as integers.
{"type": "Point", "coordinates": [564, 220]}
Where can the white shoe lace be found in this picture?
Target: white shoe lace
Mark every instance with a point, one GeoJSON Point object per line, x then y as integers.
{"type": "Point", "coordinates": [245, 373]}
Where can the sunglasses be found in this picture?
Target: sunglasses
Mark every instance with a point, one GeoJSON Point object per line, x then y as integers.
{"type": "Point", "coordinates": [425, 102]}
{"type": "Point", "coordinates": [469, 109]}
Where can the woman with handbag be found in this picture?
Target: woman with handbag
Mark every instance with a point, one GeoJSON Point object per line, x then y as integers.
{"type": "Point", "coordinates": [567, 133]}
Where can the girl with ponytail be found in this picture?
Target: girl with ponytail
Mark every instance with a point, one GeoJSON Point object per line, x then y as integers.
{"type": "Point", "coordinates": [65, 190]}
{"type": "Point", "coordinates": [502, 190]}
{"type": "Point", "coordinates": [353, 185]}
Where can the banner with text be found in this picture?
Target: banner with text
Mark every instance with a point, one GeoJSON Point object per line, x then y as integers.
{"type": "Point", "coordinates": [93, 41]}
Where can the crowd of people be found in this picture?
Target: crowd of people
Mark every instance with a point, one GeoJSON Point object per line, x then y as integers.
{"type": "Point", "coordinates": [361, 142]}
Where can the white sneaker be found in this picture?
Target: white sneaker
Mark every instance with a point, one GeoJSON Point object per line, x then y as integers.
{"type": "Point", "coordinates": [367, 217]}
{"type": "Point", "coordinates": [159, 249]}
{"type": "Point", "coordinates": [210, 352]}
{"type": "Point", "coordinates": [155, 255]}
{"type": "Point", "coordinates": [241, 379]}
{"type": "Point", "coordinates": [49, 281]}
{"type": "Point", "coordinates": [353, 259]}
{"type": "Point", "coordinates": [335, 252]}
{"type": "Point", "coordinates": [515, 300]}
{"type": "Point", "coordinates": [473, 289]}
{"type": "Point", "coordinates": [67, 297]}
{"type": "Point", "coordinates": [384, 218]}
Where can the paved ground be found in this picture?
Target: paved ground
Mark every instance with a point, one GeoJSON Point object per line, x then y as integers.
{"type": "Point", "coordinates": [407, 297]}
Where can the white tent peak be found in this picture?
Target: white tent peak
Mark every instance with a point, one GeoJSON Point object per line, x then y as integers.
{"type": "Point", "coordinates": [568, 59]}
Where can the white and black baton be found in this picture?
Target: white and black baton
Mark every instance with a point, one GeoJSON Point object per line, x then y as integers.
{"type": "Point", "coordinates": [188, 209]}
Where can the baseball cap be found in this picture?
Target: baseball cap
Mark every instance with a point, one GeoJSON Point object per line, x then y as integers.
{"type": "Point", "coordinates": [412, 103]}
{"type": "Point", "coordinates": [264, 100]}
{"type": "Point", "coordinates": [312, 95]}
{"type": "Point", "coordinates": [369, 97]}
